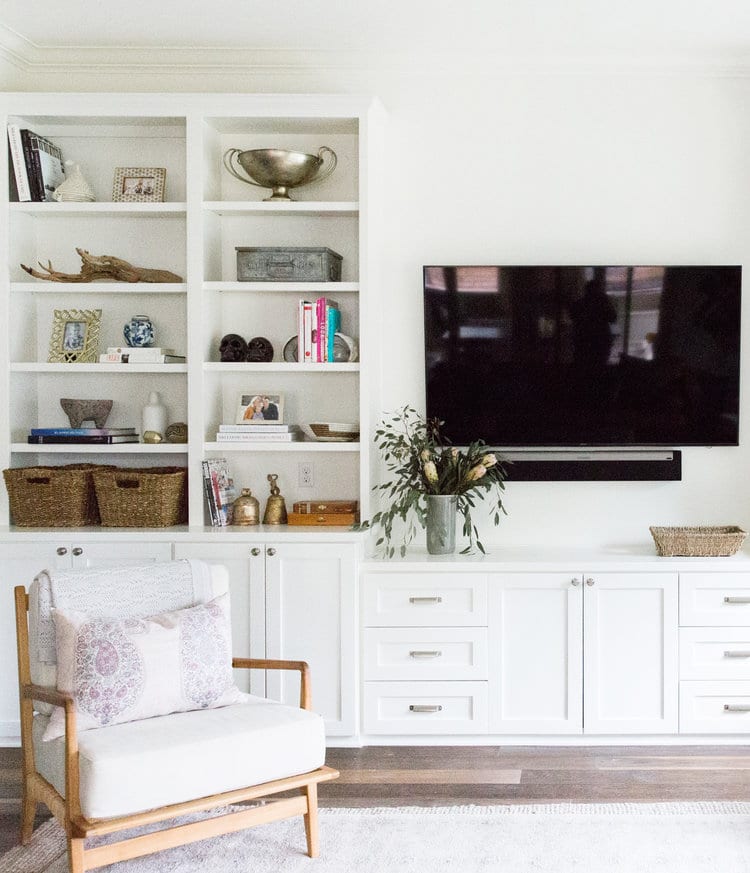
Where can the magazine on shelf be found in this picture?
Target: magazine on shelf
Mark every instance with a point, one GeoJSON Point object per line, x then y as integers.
{"type": "Point", "coordinates": [19, 175]}
{"type": "Point", "coordinates": [219, 491]}
{"type": "Point", "coordinates": [48, 162]}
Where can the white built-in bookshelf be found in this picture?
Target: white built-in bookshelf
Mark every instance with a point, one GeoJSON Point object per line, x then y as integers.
{"type": "Point", "coordinates": [194, 232]}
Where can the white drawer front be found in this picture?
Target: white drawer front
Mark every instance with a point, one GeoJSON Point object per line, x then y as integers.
{"type": "Point", "coordinates": [711, 599]}
{"type": "Point", "coordinates": [425, 653]}
{"type": "Point", "coordinates": [425, 599]}
{"type": "Point", "coordinates": [425, 708]}
{"type": "Point", "coordinates": [721, 653]}
{"type": "Point", "coordinates": [715, 707]}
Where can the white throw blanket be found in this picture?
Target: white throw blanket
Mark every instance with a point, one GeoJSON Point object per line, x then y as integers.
{"type": "Point", "coordinates": [119, 592]}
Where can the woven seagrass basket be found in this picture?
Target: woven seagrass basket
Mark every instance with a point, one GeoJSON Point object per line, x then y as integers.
{"type": "Point", "coordinates": [53, 496]}
{"type": "Point", "coordinates": [698, 542]}
{"type": "Point", "coordinates": [143, 497]}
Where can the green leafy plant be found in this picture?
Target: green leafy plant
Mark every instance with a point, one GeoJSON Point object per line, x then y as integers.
{"type": "Point", "coordinates": [424, 462]}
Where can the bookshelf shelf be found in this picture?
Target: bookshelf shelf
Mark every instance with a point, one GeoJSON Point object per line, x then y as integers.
{"type": "Point", "coordinates": [279, 367]}
{"type": "Point", "coordinates": [296, 207]}
{"type": "Point", "coordinates": [294, 447]}
{"type": "Point", "coordinates": [108, 210]}
{"type": "Point", "coordinates": [42, 287]}
{"type": "Point", "coordinates": [98, 449]}
{"type": "Point", "coordinates": [100, 369]}
{"type": "Point", "coordinates": [304, 288]}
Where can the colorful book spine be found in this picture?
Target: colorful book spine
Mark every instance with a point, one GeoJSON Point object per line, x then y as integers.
{"type": "Point", "coordinates": [256, 428]}
{"type": "Point", "coordinates": [256, 437]}
{"type": "Point", "coordinates": [102, 439]}
{"type": "Point", "coordinates": [81, 431]}
{"type": "Point", "coordinates": [333, 324]}
{"type": "Point", "coordinates": [33, 167]}
{"type": "Point", "coordinates": [320, 322]}
{"type": "Point", "coordinates": [307, 333]}
{"type": "Point", "coordinates": [209, 494]}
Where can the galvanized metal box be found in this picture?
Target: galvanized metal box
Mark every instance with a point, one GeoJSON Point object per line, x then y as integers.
{"type": "Point", "coordinates": [285, 264]}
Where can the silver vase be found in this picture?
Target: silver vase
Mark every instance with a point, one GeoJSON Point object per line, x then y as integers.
{"type": "Point", "coordinates": [441, 523]}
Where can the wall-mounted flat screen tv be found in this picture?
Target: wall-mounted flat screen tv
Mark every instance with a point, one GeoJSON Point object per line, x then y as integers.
{"type": "Point", "coordinates": [584, 356]}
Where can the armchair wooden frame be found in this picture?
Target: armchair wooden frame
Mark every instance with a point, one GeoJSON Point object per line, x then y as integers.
{"type": "Point", "coordinates": [67, 810]}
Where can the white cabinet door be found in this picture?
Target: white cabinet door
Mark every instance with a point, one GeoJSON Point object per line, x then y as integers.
{"type": "Point", "coordinates": [245, 564]}
{"type": "Point", "coordinates": [311, 616]}
{"type": "Point", "coordinates": [630, 653]}
{"type": "Point", "coordinates": [535, 644]}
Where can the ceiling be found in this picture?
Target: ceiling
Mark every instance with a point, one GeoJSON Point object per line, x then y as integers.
{"type": "Point", "coordinates": [61, 32]}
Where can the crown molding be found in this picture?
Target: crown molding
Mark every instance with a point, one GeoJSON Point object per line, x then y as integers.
{"type": "Point", "coordinates": [32, 59]}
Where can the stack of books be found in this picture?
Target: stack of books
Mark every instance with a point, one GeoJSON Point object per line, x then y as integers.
{"type": "Point", "coordinates": [82, 435]}
{"type": "Point", "coordinates": [317, 324]}
{"type": "Point", "coordinates": [36, 166]}
{"type": "Point", "coordinates": [146, 355]}
{"type": "Point", "coordinates": [325, 512]}
{"type": "Point", "coordinates": [218, 487]}
{"type": "Point", "coordinates": [258, 433]}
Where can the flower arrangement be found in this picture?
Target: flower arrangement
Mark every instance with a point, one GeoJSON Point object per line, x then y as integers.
{"type": "Point", "coordinates": [423, 462]}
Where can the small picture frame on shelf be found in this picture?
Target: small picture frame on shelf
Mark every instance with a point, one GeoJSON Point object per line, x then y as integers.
{"type": "Point", "coordinates": [139, 185]}
{"type": "Point", "coordinates": [260, 408]}
{"type": "Point", "coordinates": [75, 336]}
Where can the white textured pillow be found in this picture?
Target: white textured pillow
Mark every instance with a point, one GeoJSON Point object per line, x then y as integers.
{"type": "Point", "coordinates": [128, 669]}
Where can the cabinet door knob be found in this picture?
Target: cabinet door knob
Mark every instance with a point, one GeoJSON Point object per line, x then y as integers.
{"type": "Point", "coordinates": [77, 551]}
{"type": "Point", "coordinates": [255, 552]}
{"type": "Point", "coordinates": [271, 552]}
{"type": "Point", "coordinates": [589, 581]}
{"type": "Point", "coordinates": [575, 582]}
{"type": "Point", "coordinates": [61, 550]}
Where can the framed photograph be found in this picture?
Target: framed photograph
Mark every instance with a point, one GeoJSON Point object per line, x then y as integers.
{"type": "Point", "coordinates": [260, 408]}
{"type": "Point", "coordinates": [139, 185]}
{"type": "Point", "coordinates": [75, 336]}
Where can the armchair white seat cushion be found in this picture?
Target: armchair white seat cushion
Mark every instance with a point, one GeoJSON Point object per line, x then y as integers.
{"type": "Point", "coordinates": [132, 767]}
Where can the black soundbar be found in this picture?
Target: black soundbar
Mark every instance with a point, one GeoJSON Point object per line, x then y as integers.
{"type": "Point", "coordinates": [593, 466]}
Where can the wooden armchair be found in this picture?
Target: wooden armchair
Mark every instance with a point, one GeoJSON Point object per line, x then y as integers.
{"type": "Point", "coordinates": [77, 776]}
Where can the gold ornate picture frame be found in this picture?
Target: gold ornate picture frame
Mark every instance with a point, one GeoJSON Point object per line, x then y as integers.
{"type": "Point", "coordinates": [139, 185]}
{"type": "Point", "coordinates": [75, 336]}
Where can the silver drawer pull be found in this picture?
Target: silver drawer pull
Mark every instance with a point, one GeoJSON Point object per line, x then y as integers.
{"type": "Point", "coordinates": [425, 600]}
{"type": "Point", "coordinates": [417, 653]}
{"type": "Point", "coordinates": [425, 707]}
{"type": "Point", "coordinates": [737, 654]}
{"type": "Point", "coordinates": [737, 600]}
{"type": "Point", "coordinates": [737, 707]}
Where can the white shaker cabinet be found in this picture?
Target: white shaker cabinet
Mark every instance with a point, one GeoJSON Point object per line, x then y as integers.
{"type": "Point", "coordinates": [630, 653]}
{"type": "Point", "coordinates": [535, 642]}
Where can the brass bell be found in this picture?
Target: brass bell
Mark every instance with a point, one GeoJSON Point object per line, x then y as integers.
{"type": "Point", "coordinates": [246, 509]}
{"type": "Point", "coordinates": [275, 507]}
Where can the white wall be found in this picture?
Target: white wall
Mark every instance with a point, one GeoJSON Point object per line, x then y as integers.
{"type": "Point", "coordinates": [527, 166]}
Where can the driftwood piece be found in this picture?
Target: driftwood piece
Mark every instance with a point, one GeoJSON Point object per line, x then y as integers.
{"type": "Point", "coordinates": [98, 267]}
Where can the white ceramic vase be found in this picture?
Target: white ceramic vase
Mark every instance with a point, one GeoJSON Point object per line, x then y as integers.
{"type": "Point", "coordinates": [154, 415]}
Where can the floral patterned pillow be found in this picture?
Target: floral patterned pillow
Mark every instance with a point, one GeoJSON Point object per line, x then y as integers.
{"type": "Point", "coordinates": [128, 669]}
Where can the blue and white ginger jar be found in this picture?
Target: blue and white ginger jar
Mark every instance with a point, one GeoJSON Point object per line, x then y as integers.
{"type": "Point", "coordinates": [139, 331]}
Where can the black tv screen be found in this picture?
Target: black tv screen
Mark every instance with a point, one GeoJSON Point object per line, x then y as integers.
{"type": "Point", "coordinates": [584, 356]}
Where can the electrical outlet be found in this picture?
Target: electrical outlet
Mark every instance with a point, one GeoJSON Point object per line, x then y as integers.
{"type": "Point", "coordinates": [305, 475]}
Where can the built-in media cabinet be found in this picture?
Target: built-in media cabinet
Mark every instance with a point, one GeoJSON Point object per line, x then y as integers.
{"type": "Point", "coordinates": [522, 646]}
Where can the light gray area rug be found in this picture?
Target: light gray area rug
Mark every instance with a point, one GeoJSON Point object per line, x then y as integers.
{"type": "Point", "coordinates": [555, 838]}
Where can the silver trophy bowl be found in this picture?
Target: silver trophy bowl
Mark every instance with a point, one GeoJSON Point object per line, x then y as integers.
{"type": "Point", "coordinates": [279, 169]}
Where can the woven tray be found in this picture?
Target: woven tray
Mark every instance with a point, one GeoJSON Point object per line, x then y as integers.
{"type": "Point", "coordinates": [53, 496]}
{"type": "Point", "coordinates": [698, 542]}
{"type": "Point", "coordinates": [144, 497]}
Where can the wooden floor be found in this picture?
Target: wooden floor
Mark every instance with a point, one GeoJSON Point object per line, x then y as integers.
{"type": "Point", "coordinates": [439, 776]}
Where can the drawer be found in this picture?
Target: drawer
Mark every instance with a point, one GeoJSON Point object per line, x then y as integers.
{"type": "Point", "coordinates": [715, 599]}
{"type": "Point", "coordinates": [425, 599]}
{"type": "Point", "coordinates": [715, 707]}
{"type": "Point", "coordinates": [450, 653]}
{"type": "Point", "coordinates": [417, 708]}
{"type": "Point", "coordinates": [721, 653]}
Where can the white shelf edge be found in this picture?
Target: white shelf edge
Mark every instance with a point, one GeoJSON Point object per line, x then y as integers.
{"type": "Point", "coordinates": [295, 207]}
{"type": "Point", "coordinates": [120, 369]}
{"type": "Point", "coordinates": [295, 287]}
{"type": "Point", "coordinates": [278, 367]}
{"type": "Point", "coordinates": [98, 287]}
{"type": "Point", "coordinates": [270, 446]}
{"type": "Point", "coordinates": [100, 208]}
{"type": "Point", "coordinates": [102, 448]}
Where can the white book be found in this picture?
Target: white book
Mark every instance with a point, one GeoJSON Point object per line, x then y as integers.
{"type": "Point", "coordinates": [257, 428]}
{"type": "Point", "coordinates": [19, 163]}
{"type": "Point", "coordinates": [140, 351]}
{"type": "Point", "coordinates": [256, 437]}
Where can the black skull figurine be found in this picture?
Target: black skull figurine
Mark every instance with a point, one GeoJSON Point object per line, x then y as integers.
{"type": "Point", "coordinates": [233, 348]}
{"type": "Point", "coordinates": [259, 350]}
